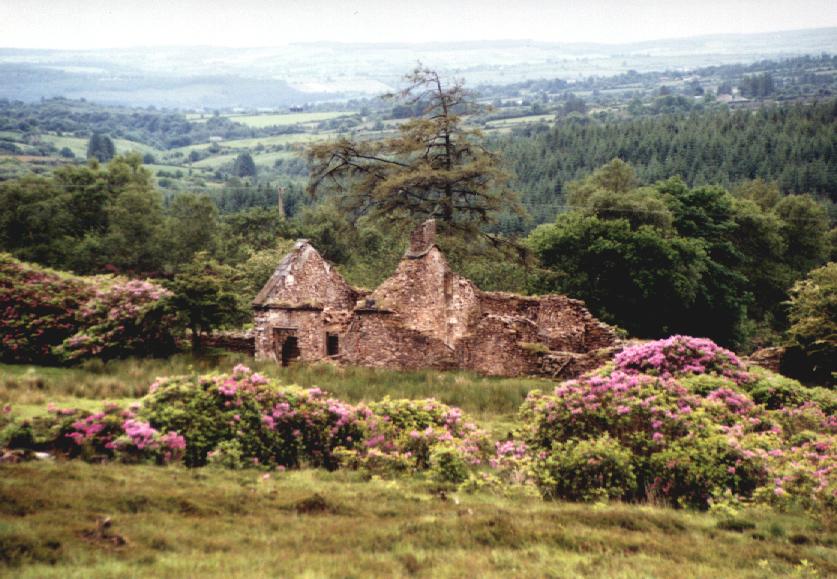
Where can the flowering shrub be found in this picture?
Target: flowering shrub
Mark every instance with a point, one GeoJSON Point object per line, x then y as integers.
{"type": "Point", "coordinates": [38, 310]}
{"type": "Point", "coordinates": [803, 476]}
{"type": "Point", "coordinates": [50, 316]}
{"type": "Point", "coordinates": [110, 434]}
{"type": "Point", "coordinates": [120, 319]}
{"type": "Point", "coordinates": [242, 419]}
{"type": "Point", "coordinates": [590, 469]}
{"type": "Point", "coordinates": [271, 424]}
{"type": "Point", "coordinates": [679, 411]}
{"type": "Point", "coordinates": [415, 435]}
{"type": "Point", "coordinates": [680, 355]}
{"type": "Point", "coordinates": [275, 425]}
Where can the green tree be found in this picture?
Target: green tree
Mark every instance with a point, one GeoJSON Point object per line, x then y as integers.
{"type": "Point", "coordinates": [434, 167]}
{"type": "Point", "coordinates": [617, 176]}
{"type": "Point", "coordinates": [205, 297]}
{"type": "Point", "coordinates": [706, 214]}
{"type": "Point", "coordinates": [134, 237]}
{"type": "Point", "coordinates": [805, 230]}
{"type": "Point", "coordinates": [639, 279]}
{"type": "Point", "coordinates": [813, 317]}
{"type": "Point", "coordinates": [244, 166]}
{"type": "Point", "coordinates": [101, 148]}
{"type": "Point", "coordinates": [192, 226]}
{"type": "Point", "coordinates": [765, 193]}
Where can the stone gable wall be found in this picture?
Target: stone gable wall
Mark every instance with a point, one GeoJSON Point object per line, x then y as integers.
{"type": "Point", "coordinates": [304, 278]}
{"type": "Point", "coordinates": [429, 297]}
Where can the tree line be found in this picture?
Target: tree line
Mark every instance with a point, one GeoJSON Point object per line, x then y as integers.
{"type": "Point", "coordinates": [793, 145]}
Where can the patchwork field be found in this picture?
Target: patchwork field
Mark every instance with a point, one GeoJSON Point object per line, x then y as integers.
{"type": "Point", "coordinates": [273, 120]}
{"type": "Point", "coordinates": [262, 120]}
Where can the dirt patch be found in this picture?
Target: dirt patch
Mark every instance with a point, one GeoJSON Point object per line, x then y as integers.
{"type": "Point", "coordinates": [316, 504]}
{"type": "Point", "coordinates": [103, 534]}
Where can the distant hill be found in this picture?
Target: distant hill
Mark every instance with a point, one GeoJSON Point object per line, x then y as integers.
{"type": "Point", "coordinates": [202, 76]}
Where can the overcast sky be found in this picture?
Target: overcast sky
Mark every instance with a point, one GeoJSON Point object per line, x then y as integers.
{"type": "Point", "coordinates": [120, 23]}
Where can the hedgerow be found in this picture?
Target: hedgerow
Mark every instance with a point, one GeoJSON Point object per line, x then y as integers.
{"type": "Point", "coordinates": [242, 420]}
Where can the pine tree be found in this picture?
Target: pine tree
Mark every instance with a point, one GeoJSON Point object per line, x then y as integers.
{"type": "Point", "coordinates": [434, 167]}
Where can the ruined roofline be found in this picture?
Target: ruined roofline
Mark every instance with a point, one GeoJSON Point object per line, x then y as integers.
{"type": "Point", "coordinates": [281, 271]}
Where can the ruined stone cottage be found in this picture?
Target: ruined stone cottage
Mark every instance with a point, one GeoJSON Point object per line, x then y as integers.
{"type": "Point", "coordinates": [424, 316]}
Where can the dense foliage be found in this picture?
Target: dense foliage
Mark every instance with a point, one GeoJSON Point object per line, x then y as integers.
{"type": "Point", "coordinates": [50, 316]}
{"type": "Point", "coordinates": [242, 419]}
{"type": "Point", "coordinates": [669, 258]}
{"type": "Point", "coordinates": [794, 145]}
{"type": "Point", "coordinates": [679, 421]}
{"type": "Point", "coordinates": [813, 316]}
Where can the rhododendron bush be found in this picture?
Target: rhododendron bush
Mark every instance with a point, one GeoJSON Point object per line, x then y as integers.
{"type": "Point", "coordinates": [679, 421]}
{"type": "Point", "coordinates": [242, 419]}
{"type": "Point", "coordinates": [50, 316]}
{"type": "Point", "coordinates": [674, 420]}
{"type": "Point", "coordinates": [111, 434]}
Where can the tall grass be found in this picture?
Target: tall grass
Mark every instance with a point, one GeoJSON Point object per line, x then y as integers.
{"type": "Point", "coordinates": [479, 395]}
{"type": "Point", "coordinates": [170, 522]}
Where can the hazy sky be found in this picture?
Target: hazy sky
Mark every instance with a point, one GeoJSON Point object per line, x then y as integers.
{"type": "Point", "coordinates": [119, 23]}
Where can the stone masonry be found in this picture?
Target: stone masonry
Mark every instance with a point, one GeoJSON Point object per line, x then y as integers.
{"type": "Point", "coordinates": [424, 316]}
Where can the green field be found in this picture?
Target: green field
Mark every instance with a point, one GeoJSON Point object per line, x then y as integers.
{"type": "Point", "coordinates": [499, 123]}
{"type": "Point", "coordinates": [78, 145]}
{"type": "Point", "coordinates": [262, 120]}
{"type": "Point", "coordinates": [261, 159]}
{"type": "Point", "coordinates": [273, 120]}
{"type": "Point", "coordinates": [254, 142]}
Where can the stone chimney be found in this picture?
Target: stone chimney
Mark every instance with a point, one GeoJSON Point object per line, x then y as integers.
{"type": "Point", "coordinates": [422, 238]}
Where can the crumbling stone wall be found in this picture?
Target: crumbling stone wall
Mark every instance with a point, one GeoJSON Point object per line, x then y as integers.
{"type": "Point", "coordinates": [430, 297]}
{"type": "Point", "coordinates": [424, 316]}
{"type": "Point", "coordinates": [380, 339]}
{"type": "Point", "coordinates": [500, 346]}
{"type": "Point", "coordinates": [567, 325]}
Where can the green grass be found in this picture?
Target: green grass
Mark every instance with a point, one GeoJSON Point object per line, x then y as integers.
{"type": "Point", "coordinates": [272, 120]}
{"type": "Point", "coordinates": [172, 522]}
{"type": "Point", "coordinates": [499, 123]}
{"type": "Point", "coordinates": [288, 139]}
{"type": "Point", "coordinates": [484, 397]}
{"type": "Point", "coordinates": [261, 159]}
{"type": "Point", "coordinates": [78, 145]}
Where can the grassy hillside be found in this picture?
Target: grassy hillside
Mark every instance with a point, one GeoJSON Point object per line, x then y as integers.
{"type": "Point", "coordinates": [172, 522]}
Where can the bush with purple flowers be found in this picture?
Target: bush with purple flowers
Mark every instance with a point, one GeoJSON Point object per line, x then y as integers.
{"type": "Point", "coordinates": [50, 316]}
{"type": "Point", "coordinates": [288, 426]}
{"type": "Point", "coordinates": [680, 410]}
{"type": "Point", "coordinates": [681, 355]}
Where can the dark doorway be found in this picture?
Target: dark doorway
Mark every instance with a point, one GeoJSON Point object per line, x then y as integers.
{"type": "Point", "coordinates": [332, 345]}
{"type": "Point", "coordinates": [290, 350]}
